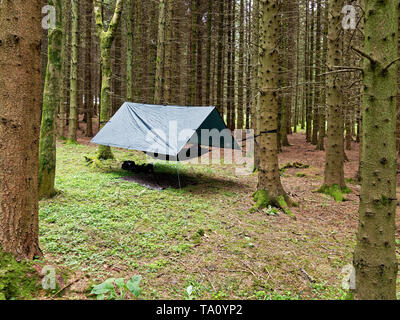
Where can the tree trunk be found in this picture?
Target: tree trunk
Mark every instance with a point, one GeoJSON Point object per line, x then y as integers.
{"type": "Point", "coordinates": [334, 173]}
{"type": "Point", "coordinates": [129, 51]}
{"type": "Point", "coordinates": [20, 99]}
{"type": "Point", "coordinates": [88, 70]}
{"type": "Point", "coordinates": [64, 56]}
{"type": "Point", "coordinates": [375, 255]}
{"type": "Point", "coordinates": [159, 83]}
{"type": "Point", "coordinates": [240, 107]}
{"type": "Point", "coordinates": [220, 79]}
{"type": "Point", "coordinates": [208, 58]}
{"type": "Point", "coordinates": [199, 56]}
{"type": "Point", "coordinates": [51, 100]}
{"type": "Point", "coordinates": [73, 107]}
{"type": "Point", "coordinates": [106, 40]}
{"type": "Point", "coordinates": [270, 190]}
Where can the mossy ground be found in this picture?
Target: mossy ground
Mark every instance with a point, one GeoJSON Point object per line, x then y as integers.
{"type": "Point", "coordinates": [18, 280]}
{"type": "Point", "coordinates": [101, 226]}
{"type": "Point", "coordinates": [335, 191]}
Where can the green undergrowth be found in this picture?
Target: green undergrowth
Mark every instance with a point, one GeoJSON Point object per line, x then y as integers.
{"type": "Point", "coordinates": [102, 226]}
{"type": "Point", "coordinates": [100, 219]}
{"type": "Point", "coordinates": [335, 191]}
{"type": "Point", "coordinates": [18, 280]}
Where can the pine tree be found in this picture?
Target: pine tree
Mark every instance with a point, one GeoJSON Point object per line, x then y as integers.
{"type": "Point", "coordinates": [159, 81]}
{"type": "Point", "coordinates": [129, 50]}
{"type": "Point", "coordinates": [73, 107]}
{"type": "Point", "coordinates": [20, 99]}
{"type": "Point", "coordinates": [334, 162]}
{"type": "Point", "coordinates": [375, 254]}
{"type": "Point", "coordinates": [270, 189]}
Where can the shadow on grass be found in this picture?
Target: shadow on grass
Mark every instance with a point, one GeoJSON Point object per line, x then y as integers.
{"type": "Point", "coordinates": [176, 176]}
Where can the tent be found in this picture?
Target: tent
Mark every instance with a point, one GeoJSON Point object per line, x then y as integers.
{"type": "Point", "coordinates": [165, 130]}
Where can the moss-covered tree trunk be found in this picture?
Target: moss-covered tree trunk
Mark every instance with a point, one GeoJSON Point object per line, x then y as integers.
{"type": "Point", "coordinates": [270, 189]}
{"type": "Point", "coordinates": [375, 254]}
{"type": "Point", "coordinates": [334, 173]}
{"type": "Point", "coordinates": [73, 106]}
{"type": "Point", "coordinates": [20, 99]}
{"type": "Point", "coordinates": [51, 100]}
{"type": "Point", "coordinates": [64, 57]}
{"type": "Point", "coordinates": [106, 40]}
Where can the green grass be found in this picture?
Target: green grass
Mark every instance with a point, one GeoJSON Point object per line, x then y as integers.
{"type": "Point", "coordinates": [98, 219]}
{"type": "Point", "coordinates": [202, 236]}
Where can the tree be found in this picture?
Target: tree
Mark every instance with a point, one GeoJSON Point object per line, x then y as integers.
{"type": "Point", "coordinates": [159, 83]}
{"type": "Point", "coordinates": [106, 39]}
{"type": "Point", "coordinates": [88, 68]}
{"type": "Point", "coordinates": [375, 254]}
{"type": "Point", "coordinates": [129, 51]}
{"type": "Point", "coordinates": [334, 162]}
{"type": "Point", "coordinates": [51, 100]}
{"type": "Point", "coordinates": [73, 107]}
{"type": "Point", "coordinates": [64, 57]}
{"type": "Point", "coordinates": [20, 99]}
{"type": "Point", "coordinates": [270, 190]}
{"type": "Point", "coordinates": [220, 67]}
{"type": "Point", "coordinates": [240, 119]}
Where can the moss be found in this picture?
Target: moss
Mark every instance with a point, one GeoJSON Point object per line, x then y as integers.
{"type": "Point", "coordinates": [72, 142]}
{"type": "Point", "coordinates": [261, 199]}
{"type": "Point", "coordinates": [300, 175]}
{"type": "Point", "coordinates": [335, 191]}
{"type": "Point", "coordinates": [104, 153]}
{"type": "Point", "coordinates": [18, 280]}
{"type": "Point", "coordinates": [284, 206]}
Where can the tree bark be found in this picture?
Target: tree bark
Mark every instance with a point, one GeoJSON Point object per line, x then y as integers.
{"type": "Point", "coordinates": [51, 100]}
{"type": "Point", "coordinates": [106, 40]}
{"type": "Point", "coordinates": [334, 173]}
{"type": "Point", "coordinates": [159, 81]}
{"type": "Point", "coordinates": [20, 99]}
{"type": "Point", "coordinates": [270, 189]}
{"type": "Point", "coordinates": [375, 254]}
{"type": "Point", "coordinates": [73, 107]}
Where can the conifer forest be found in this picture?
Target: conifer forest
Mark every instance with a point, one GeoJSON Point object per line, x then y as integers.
{"type": "Point", "coordinates": [199, 150]}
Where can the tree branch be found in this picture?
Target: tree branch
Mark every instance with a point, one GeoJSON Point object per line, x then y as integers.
{"type": "Point", "coordinates": [365, 55]}
{"type": "Point", "coordinates": [390, 64]}
{"type": "Point", "coordinates": [115, 20]}
{"type": "Point", "coordinates": [98, 17]}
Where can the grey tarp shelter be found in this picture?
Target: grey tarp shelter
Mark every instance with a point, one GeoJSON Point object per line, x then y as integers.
{"type": "Point", "coordinates": [165, 130]}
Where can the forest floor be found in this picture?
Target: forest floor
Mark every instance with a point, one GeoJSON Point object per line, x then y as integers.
{"type": "Point", "coordinates": [101, 226]}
